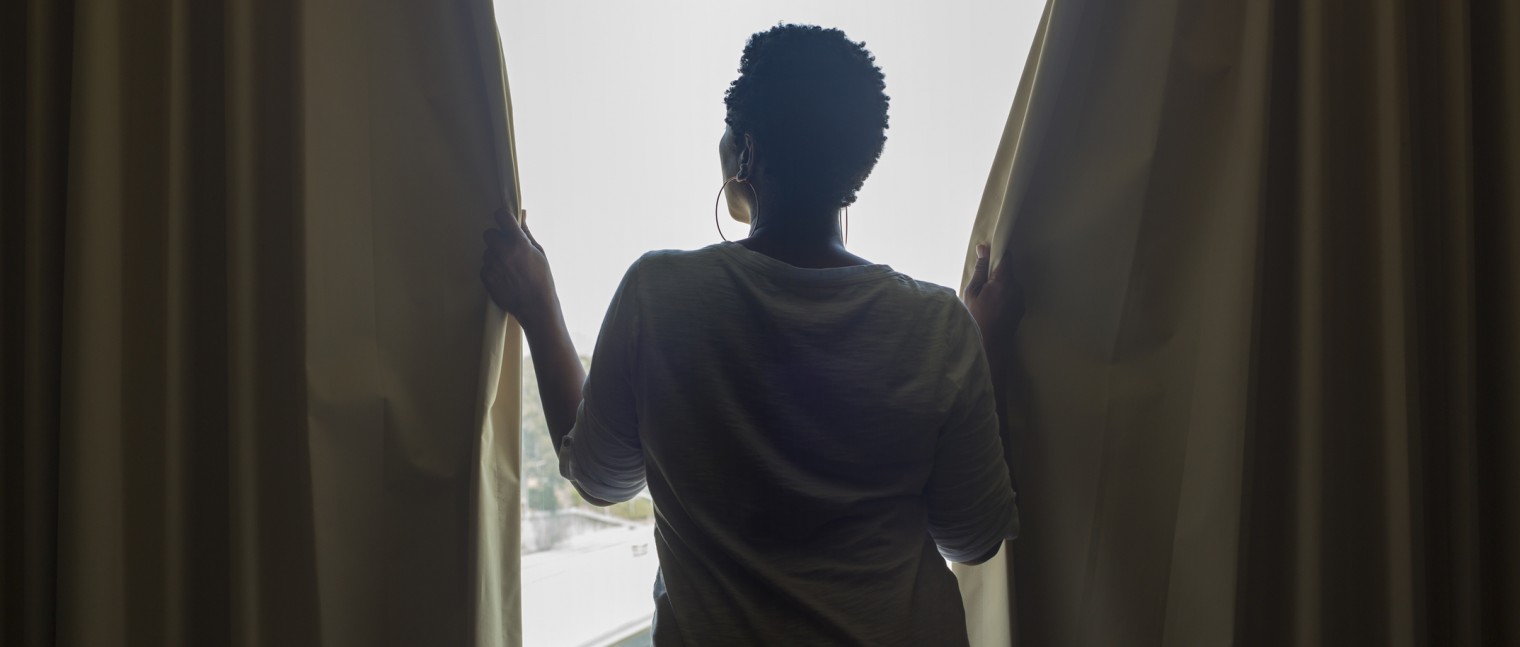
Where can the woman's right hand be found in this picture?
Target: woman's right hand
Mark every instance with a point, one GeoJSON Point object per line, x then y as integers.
{"type": "Point", "coordinates": [516, 271]}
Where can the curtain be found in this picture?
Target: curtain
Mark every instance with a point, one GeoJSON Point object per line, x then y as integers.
{"type": "Point", "coordinates": [1266, 389]}
{"type": "Point", "coordinates": [986, 591]}
{"type": "Point", "coordinates": [253, 392]}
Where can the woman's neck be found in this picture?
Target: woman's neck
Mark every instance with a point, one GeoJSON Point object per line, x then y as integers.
{"type": "Point", "coordinates": [801, 237]}
{"type": "Point", "coordinates": [801, 226]}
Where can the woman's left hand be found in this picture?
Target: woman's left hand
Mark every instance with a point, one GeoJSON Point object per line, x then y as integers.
{"type": "Point", "coordinates": [516, 271]}
{"type": "Point", "coordinates": [996, 302]}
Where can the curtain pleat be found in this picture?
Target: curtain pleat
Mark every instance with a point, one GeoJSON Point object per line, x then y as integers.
{"type": "Point", "coordinates": [1264, 390]}
{"type": "Point", "coordinates": [33, 158]}
{"type": "Point", "coordinates": [253, 392]}
{"type": "Point", "coordinates": [990, 601]}
{"type": "Point", "coordinates": [497, 485]}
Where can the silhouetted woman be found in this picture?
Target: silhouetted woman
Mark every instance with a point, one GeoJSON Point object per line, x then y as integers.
{"type": "Point", "coordinates": [816, 430]}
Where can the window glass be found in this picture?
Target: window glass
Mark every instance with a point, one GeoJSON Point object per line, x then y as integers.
{"type": "Point", "coordinates": [618, 111]}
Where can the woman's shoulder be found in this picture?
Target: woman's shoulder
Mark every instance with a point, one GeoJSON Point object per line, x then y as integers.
{"type": "Point", "coordinates": [938, 305]}
{"type": "Point", "coordinates": [664, 270]}
{"type": "Point", "coordinates": [927, 293]}
{"type": "Point", "coordinates": [661, 258]}
{"type": "Point", "coordinates": [676, 268]}
{"type": "Point", "coordinates": [667, 261]}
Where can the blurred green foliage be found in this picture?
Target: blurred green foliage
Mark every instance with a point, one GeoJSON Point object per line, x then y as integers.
{"type": "Point", "coordinates": [544, 489]}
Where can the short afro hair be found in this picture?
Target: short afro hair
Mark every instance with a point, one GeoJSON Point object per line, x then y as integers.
{"type": "Point", "coordinates": [815, 101]}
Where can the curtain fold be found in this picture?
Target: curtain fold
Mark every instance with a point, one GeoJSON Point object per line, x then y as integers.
{"type": "Point", "coordinates": [1265, 388]}
{"type": "Point", "coordinates": [253, 392]}
{"type": "Point", "coordinates": [497, 499]}
{"type": "Point", "coordinates": [986, 592]}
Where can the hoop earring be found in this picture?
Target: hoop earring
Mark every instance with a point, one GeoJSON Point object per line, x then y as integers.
{"type": "Point", "coordinates": [721, 189]}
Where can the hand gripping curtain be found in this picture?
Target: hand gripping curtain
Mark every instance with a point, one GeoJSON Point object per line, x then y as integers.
{"type": "Point", "coordinates": [1267, 383]}
{"type": "Point", "coordinates": [253, 391]}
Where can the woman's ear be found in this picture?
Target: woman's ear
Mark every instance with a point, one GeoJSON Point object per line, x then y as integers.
{"type": "Point", "coordinates": [747, 155]}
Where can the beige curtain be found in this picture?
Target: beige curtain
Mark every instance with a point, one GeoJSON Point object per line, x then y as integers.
{"type": "Point", "coordinates": [253, 393]}
{"type": "Point", "coordinates": [1267, 387]}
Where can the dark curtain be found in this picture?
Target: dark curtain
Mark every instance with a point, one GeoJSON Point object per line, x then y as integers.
{"type": "Point", "coordinates": [249, 376]}
{"type": "Point", "coordinates": [1267, 387]}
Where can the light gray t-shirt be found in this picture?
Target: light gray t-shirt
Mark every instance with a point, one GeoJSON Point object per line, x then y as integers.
{"type": "Point", "coordinates": [815, 440]}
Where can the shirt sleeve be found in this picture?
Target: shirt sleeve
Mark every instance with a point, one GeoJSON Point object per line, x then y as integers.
{"type": "Point", "coordinates": [971, 501]}
{"type": "Point", "coordinates": [602, 455]}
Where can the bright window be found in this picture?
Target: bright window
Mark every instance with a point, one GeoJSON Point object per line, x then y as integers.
{"type": "Point", "coordinates": [618, 111]}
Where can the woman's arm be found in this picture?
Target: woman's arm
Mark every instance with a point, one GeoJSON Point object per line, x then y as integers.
{"type": "Point", "coordinates": [516, 274]}
{"type": "Point", "coordinates": [558, 368]}
{"type": "Point", "coordinates": [972, 508]}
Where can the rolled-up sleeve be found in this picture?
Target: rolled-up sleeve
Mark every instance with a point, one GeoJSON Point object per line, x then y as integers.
{"type": "Point", "coordinates": [602, 454]}
{"type": "Point", "coordinates": [971, 502]}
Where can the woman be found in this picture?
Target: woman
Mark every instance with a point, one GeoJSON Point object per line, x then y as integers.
{"type": "Point", "coordinates": [816, 430]}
